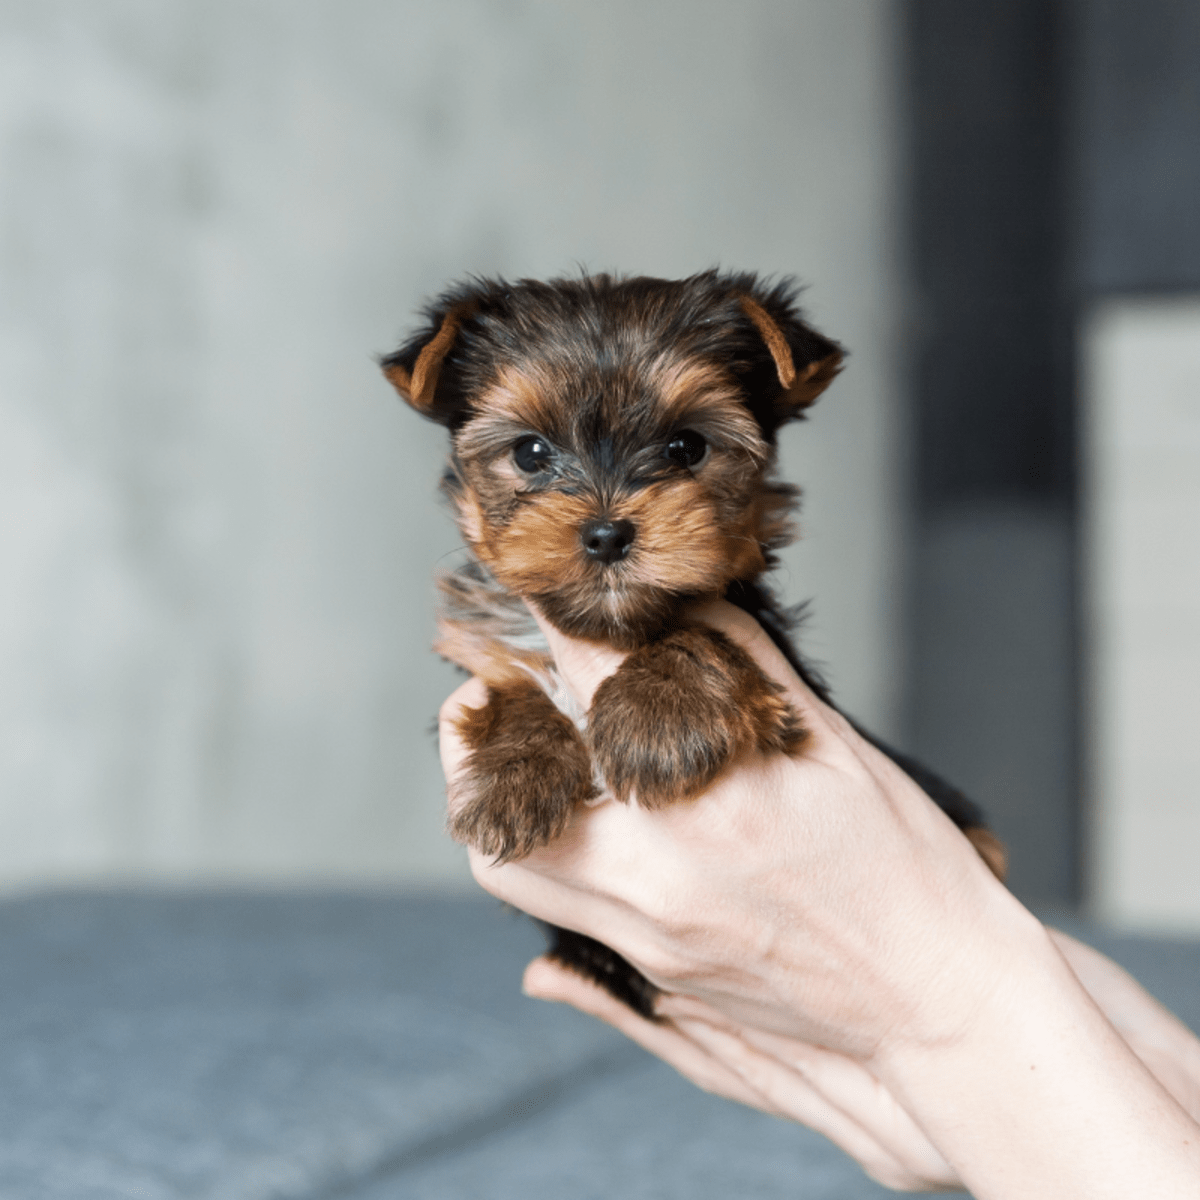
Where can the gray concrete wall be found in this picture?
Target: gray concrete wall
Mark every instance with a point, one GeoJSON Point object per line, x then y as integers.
{"type": "Point", "coordinates": [217, 525]}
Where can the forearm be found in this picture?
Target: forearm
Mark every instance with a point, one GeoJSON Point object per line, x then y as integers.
{"type": "Point", "coordinates": [1036, 1095]}
{"type": "Point", "coordinates": [1158, 1037]}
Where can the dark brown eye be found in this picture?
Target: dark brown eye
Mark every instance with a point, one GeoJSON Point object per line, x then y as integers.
{"type": "Point", "coordinates": [687, 448]}
{"type": "Point", "coordinates": [533, 454]}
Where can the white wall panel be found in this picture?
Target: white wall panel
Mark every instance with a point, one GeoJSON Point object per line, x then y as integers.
{"type": "Point", "coordinates": [1142, 377]}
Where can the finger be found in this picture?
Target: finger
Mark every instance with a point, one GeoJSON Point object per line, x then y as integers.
{"type": "Point", "coordinates": [743, 630]}
{"type": "Point", "coordinates": [853, 1090]}
{"type": "Point", "coordinates": [739, 626]}
{"type": "Point", "coordinates": [503, 879]}
{"type": "Point", "coordinates": [583, 665]}
{"type": "Point", "coordinates": [548, 980]}
{"type": "Point", "coordinates": [798, 1099]}
{"type": "Point", "coordinates": [839, 1081]}
{"type": "Point", "coordinates": [537, 885]}
{"type": "Point", "coordinates": [679, 1006]}
{"type": "Point", "coordinates": [472, 694]}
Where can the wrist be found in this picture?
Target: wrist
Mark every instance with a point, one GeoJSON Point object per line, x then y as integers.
{"type": "Point", "coordinates": [970, 965]}
{"type": "Point", "coordinates": [1031, 1093]}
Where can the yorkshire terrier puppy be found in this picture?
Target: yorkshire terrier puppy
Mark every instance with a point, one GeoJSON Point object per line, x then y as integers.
{"type": "Point", "coordinates": [612, 446]}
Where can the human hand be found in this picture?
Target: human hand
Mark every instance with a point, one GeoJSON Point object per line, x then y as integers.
{"type": "Point", "coordinates": [830, 1093]}
{"type": "Point", "coordinates": [828, 875]}
{"type": "Point", "coordinates": [836, 1095]}
{"type": "Point", "coordinates": [824, 899]}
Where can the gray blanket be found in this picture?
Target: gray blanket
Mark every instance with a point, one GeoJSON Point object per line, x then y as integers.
{"type": "Point", "coordinates": [242, 1047]}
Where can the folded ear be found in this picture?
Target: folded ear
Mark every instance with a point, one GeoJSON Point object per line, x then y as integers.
{"type": "Point", "coordinates": [415, 368]}
{"type": "Point", "coordinates": [805, 360]}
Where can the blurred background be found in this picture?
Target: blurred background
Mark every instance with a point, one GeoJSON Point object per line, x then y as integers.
{"type": "Point", "coordinates": [218, 525]}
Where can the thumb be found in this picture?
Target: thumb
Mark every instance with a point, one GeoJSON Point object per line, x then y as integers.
{"type": "Point", "coordinates": [584, 666]}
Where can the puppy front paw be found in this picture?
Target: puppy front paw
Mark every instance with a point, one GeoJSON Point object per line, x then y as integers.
{"type": "Point", "coordinates": [677, 711]}
{"type": "Point", "coordinates": [527, 769]}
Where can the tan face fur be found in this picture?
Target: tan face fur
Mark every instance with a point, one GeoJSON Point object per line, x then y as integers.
{"type": "Point", "coordinates": [694, 528]}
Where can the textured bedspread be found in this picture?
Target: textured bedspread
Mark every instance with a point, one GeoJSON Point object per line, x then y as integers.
{"type": "Point", "coordinates": [361, 1046]}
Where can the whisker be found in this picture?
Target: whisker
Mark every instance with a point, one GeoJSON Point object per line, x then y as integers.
{"type": "Point", "coordinates": [457, 550]}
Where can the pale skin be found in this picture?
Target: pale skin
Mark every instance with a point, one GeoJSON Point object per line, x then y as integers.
{"type": "Point", "coordinates": [832, 950]}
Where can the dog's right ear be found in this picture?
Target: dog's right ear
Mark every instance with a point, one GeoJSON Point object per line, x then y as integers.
{"type": "Point", "coordinates": [414, 370]}
{"type": "Point", "coordinates": [805, 361]}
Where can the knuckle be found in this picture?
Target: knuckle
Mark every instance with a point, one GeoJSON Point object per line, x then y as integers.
{"type": "Point", "coordinates": [483, 870]}
{"type": "Point", "coordinates": [743, 629]}
{"type": "Point", "coordinates": [659, 964]}
{"type": "Point", "coordinates": [448, 711]}
{"type": "Point", "coordinates": [464, 696]}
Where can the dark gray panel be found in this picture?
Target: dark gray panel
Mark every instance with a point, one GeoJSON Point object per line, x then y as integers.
{"type": "Point", "coordinates": [992, 681]}
{"type": "Point", "coordinates": [1136, 69]}
{"type": "Point", "coordinates": [991, 691]}
{"type": "Point", "coordinates": [990, 386]}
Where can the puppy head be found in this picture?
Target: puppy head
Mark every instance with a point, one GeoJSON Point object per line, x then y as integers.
{"type": "Point", "coordinates": [611, 438]}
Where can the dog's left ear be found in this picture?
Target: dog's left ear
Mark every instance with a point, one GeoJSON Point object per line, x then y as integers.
{"type": "Point", "coordinates": [805, 360]}
{"type": "Point", "coordinates": [414, 370]}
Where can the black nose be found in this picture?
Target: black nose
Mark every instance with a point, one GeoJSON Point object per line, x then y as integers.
{"type": "Point", "coordinates": [607, 541]}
